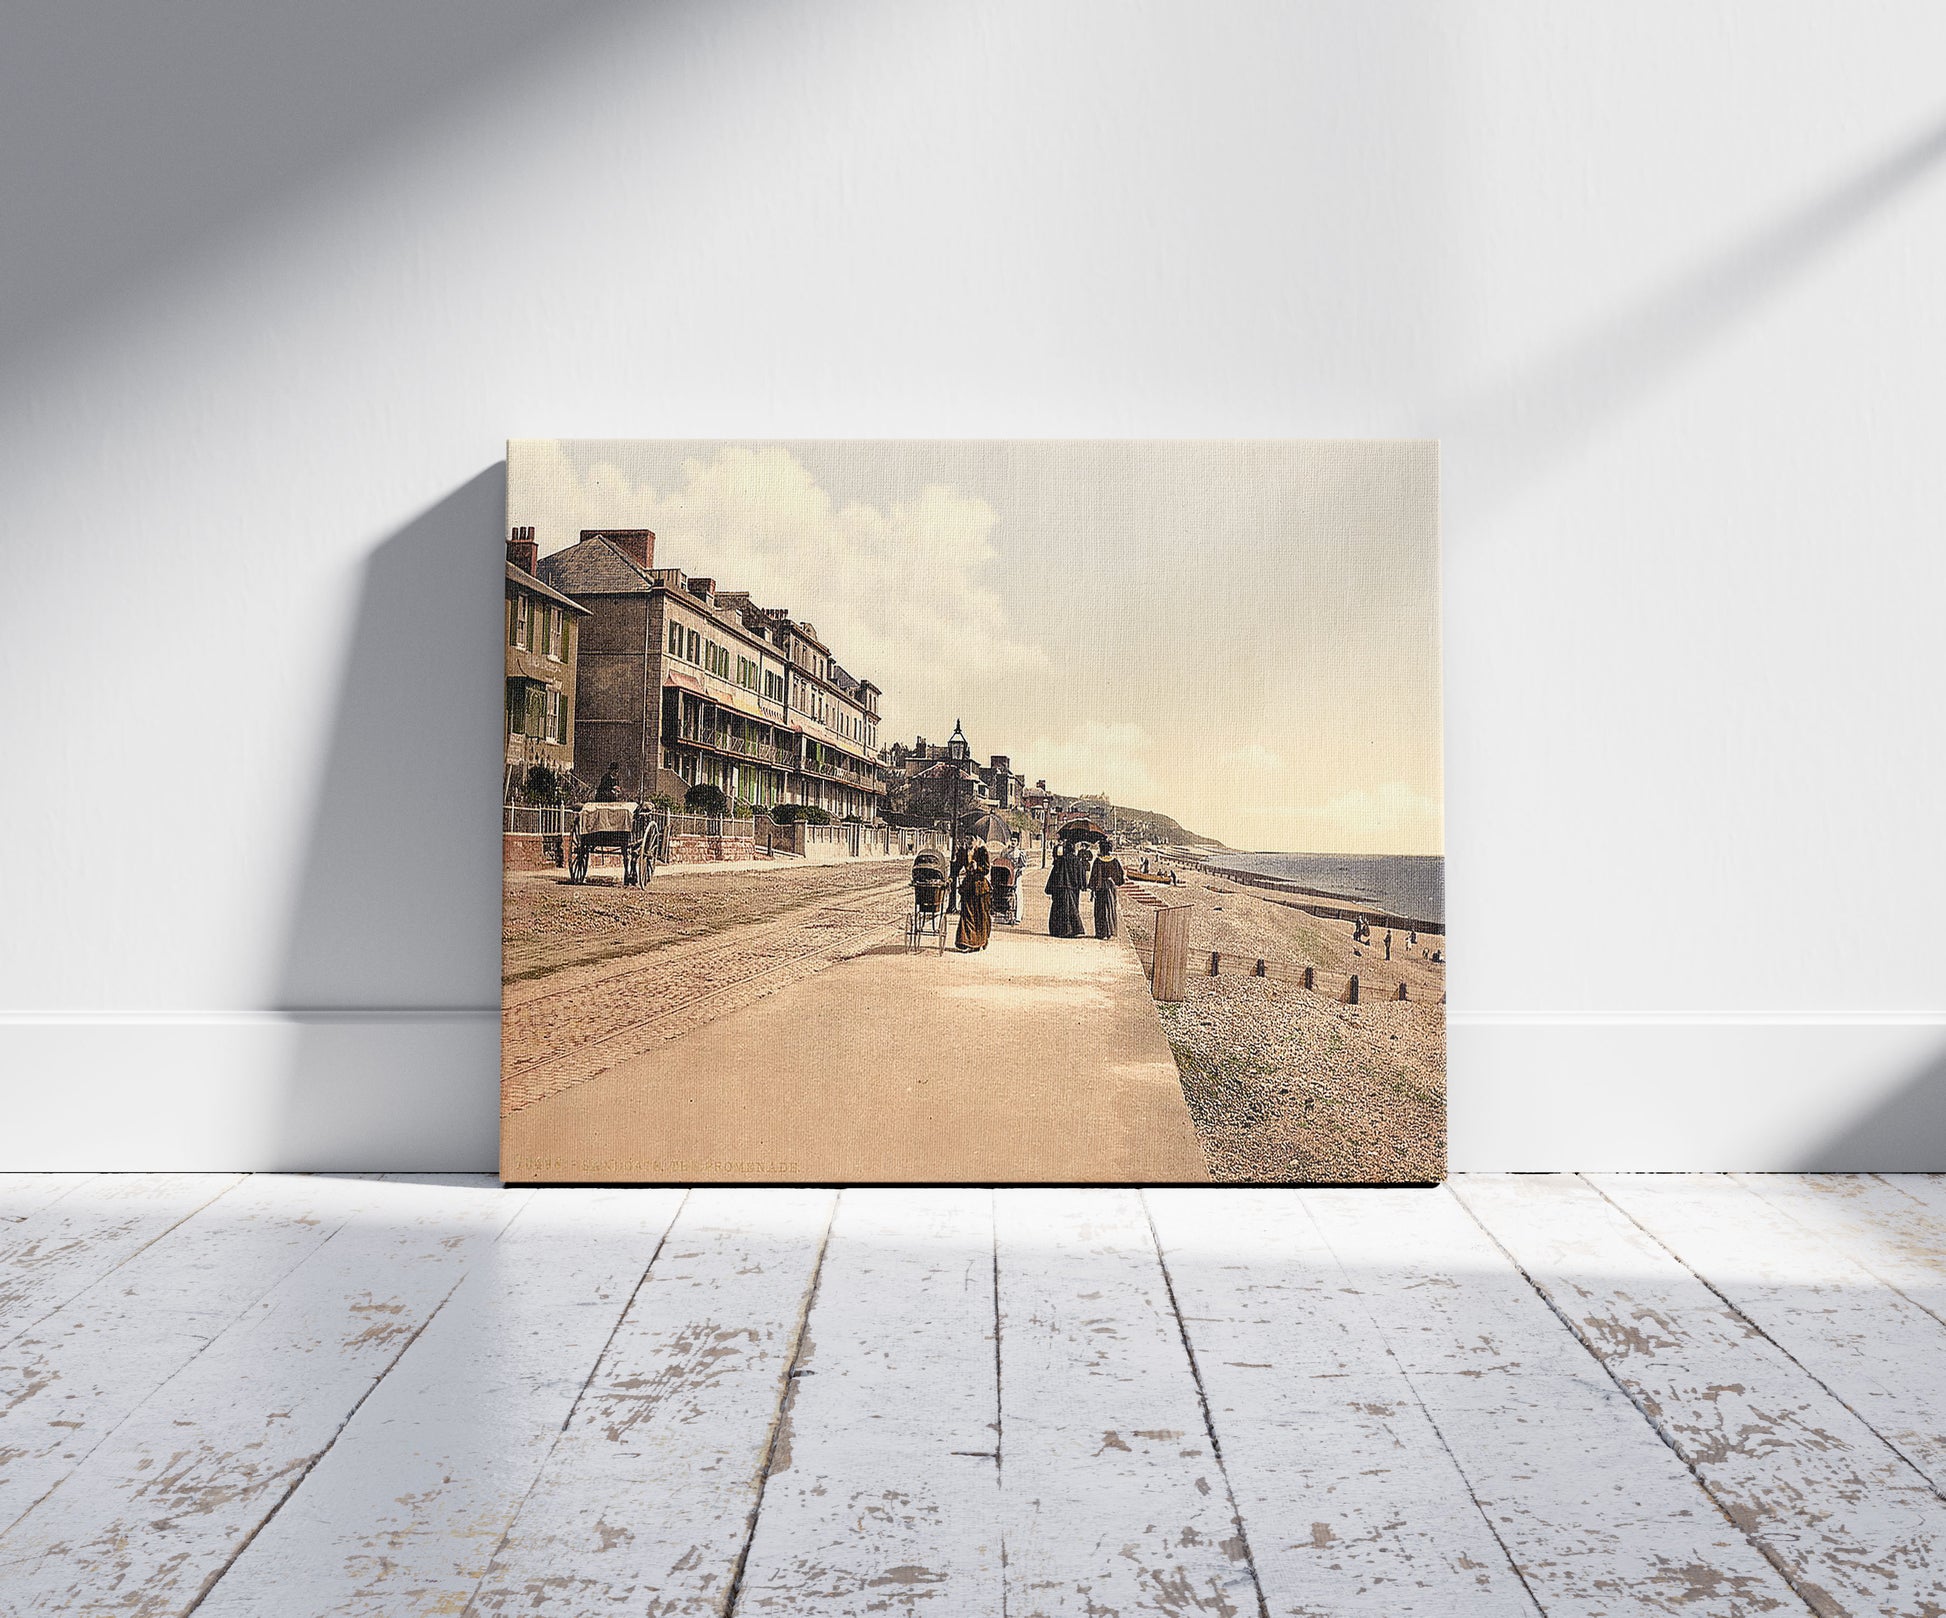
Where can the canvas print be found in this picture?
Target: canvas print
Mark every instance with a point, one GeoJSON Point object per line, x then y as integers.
{"type": "Point", "coordinates": [973, 812]}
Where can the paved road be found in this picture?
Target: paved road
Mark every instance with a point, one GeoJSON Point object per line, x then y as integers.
{"type": "Point", "coordinates": [1041, 1059]}
{"type": "Point", "coordinates": [577, 1022]}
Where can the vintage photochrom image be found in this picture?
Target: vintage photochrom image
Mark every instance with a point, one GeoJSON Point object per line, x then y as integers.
{"type": "Point", "coordinates": [973, 812]}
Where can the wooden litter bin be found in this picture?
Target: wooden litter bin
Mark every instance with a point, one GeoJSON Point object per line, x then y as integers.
{"type": "Point", "coordinates": [1171, 955]}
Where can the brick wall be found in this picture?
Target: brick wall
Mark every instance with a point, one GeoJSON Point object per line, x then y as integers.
{"type": "Point", "coordinates": [528, 851]}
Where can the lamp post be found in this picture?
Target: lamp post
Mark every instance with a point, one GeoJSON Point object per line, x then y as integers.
{"type": "Point", "coordinates": [956, 751]}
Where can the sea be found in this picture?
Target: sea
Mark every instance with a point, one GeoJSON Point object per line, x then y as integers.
{"type": "Point", "coordinates": [1405, 884]}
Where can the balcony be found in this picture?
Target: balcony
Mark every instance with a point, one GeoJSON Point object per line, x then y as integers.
{"type": "Point", "coordinates": [723, 741]}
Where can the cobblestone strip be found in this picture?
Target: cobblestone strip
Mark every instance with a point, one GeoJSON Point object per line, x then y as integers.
{"type": "Point", "coordinates": [555, 1039]}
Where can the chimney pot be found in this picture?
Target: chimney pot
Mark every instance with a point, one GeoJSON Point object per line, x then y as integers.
{"type": "Point", "coordinates": [522, 551]}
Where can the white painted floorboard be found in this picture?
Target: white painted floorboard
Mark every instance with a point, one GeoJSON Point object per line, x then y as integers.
{"type": "Point", "coordinates": [1553, 1395]}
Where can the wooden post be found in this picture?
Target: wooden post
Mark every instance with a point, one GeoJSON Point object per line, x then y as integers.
{"type": "Point", "coordinates": [1171, 952]}
{"type": "Point", "coordinates": [1215, 963]}
{"type": "Point", "coordinates": [1310, 977]}
{"type": "Point", "coordinates": [1351, 991]}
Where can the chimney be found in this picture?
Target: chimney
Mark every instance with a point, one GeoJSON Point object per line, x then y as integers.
{"type": "Point", "coordinates": [522, 551]}
{"type": "Point", "coordinates": [703, 590]}
{"type": "Point", "coordinates": [637, 544]}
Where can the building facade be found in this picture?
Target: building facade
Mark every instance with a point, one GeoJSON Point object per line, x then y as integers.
{"type": "Point", "coordinates": [543, 640]}
{"type": "Point", "coordinates": [683, 685]}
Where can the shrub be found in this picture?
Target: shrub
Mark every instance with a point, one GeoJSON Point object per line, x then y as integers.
{"type": "Point", "coordinates": [664, 802]}
{"type": "Point", "coordinates": [704, 799]}
{"type": "Point", "coordinates": [544, 785]}
{"type": "Point", "coordinates": [812, 815]}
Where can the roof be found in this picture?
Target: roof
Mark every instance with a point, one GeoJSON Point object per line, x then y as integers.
{"type": "Point", "coordinates": [594, 567]}
{"type": "Point", "coordinates": [527, 581]}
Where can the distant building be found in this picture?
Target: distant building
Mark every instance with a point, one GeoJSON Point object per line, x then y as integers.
{"type": "Point", "coordinates": [683, 685]}
{"type": "Point", "coordinates": [997, 782]}
{"type": "Point", "coordinates": [543, 638]}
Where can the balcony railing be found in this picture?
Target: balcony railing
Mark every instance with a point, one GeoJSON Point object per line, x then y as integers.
{"type": "Point", "coordinates": [728, 742]}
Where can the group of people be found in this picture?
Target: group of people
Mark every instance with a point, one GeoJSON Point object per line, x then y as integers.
{"type": "Point", "coordinates": [1077, 870]}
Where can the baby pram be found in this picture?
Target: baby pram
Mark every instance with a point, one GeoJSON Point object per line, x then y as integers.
{"type": "Point", "coordinates": [928, 899]}
{"type": "Point", "coordinates": [1005, 876]}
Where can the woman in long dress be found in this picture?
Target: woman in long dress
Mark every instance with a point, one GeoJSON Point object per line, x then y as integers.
{"type": "Point", "coordinates": [1064, 887]}
{"type": "Point", "coordinates": [975, 904]}
{"type": "Point", "coordinates": [1106, 879]}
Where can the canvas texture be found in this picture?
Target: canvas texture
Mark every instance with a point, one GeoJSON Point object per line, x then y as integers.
{"type": "Point", "coordinates": [982, 812]}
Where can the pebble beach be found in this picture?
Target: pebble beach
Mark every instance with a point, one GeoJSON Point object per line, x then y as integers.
{"type": "Point", "coordinates": [1292, 1085]}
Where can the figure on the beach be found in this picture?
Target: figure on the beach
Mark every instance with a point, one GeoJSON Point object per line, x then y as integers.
{"type": "Point", "coordinates": [976, 904]}
{"type": "Point", "coordinates": [1388, 943]}
{"type": "Point", "coordinates": [1106, 881]}
{"type": "Point", "coordinates": [1064, 886]}
{"type": "Point", "coordinates": [610, 790]}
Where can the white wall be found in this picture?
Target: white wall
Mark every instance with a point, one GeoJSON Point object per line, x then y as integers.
{"type": "Point", "coordinates": [1665, 278]}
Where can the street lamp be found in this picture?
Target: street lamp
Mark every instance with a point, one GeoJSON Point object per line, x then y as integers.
{"type": "Point", "coordinates": [956, 751]}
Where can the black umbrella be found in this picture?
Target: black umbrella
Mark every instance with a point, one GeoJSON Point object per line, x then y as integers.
{"type": "Point", "coordinates": [1083, 831]}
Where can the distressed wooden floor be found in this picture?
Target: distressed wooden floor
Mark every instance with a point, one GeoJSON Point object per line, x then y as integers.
{"type": "Point", "coordinates": [1563, 1395]}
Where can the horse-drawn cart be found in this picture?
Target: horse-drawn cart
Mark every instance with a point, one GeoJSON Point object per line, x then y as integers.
{"type": "Point", "coordinates": [625, 831]}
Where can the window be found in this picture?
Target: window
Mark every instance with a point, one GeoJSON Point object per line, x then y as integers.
{"type": "Point", "coordinates": [552, 632]}
{"type": "Point", "coordinates": [746, 674]}
{"type": "Point", "coordinates": [676, 641]}
{"type": "Point", "coordinates": [522, 607]}
{"type": "Point", "coordinates": [557, 716]}
{"type": "Point", "coordinates": [695, 649]}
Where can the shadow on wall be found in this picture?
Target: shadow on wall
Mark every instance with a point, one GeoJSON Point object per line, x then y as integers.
{"type": "Point", "coordinates": [391, 967]}
{"type": "Point", "coordinates": [1551, 408]}
{"type": "Point", "coordinates": [1904, 1134]}
{"type": "Point", "coordinates": [177, 126]}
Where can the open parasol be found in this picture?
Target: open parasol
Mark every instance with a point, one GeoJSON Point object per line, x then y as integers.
{"type": "Point", "coordinates": [1082, 831]}
{"type": "Point", "coordinates": [990, 829]}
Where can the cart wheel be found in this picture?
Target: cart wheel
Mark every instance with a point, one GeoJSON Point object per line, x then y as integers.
{"type": "Point", "coordinates": [578, 864]}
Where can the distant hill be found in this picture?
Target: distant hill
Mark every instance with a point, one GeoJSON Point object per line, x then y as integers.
{"type": "Point", "coordinates": [1147, 826]}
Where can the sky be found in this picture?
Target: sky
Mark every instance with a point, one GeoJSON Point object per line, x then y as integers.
{"type": "Point", "coordinates": [1243, 635]}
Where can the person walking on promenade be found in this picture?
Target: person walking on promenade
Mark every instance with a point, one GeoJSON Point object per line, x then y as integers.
{"type": "Point", "coordinates": [1084, 858]}
{"type": "Point", "coordinates": [1064, 887]}
{"type": "Point", "coordinates": [1106, 880]}
{"type": "Point", "coordinates": [952, 877]}
{"type": "Point", "coordinates": [976, 904]}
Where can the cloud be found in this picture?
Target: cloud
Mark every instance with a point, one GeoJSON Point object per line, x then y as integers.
{"type": "Point", "coordinates": [901, 593]}
{"type": "Point", "coordinates": [1256, 758]}
{"type": "Point", "coordinates": [1098, 757]}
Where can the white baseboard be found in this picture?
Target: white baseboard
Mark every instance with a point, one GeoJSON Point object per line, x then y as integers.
{"type": "Point", "coordinates": [251, 1090]}
{"type": "Point", "coordinates": [419, 1090]}
{"type": "Point", "coordinates": [1815, 1091]}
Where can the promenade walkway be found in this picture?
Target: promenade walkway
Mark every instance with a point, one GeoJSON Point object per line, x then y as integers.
{"type": "Point", "coordinates": [1039, 1059]}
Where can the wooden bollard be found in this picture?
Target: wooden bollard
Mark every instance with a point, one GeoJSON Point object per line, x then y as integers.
{"type": "Point", "coordinates": [1401, 991]}
{"type": "Point", "coordinates": [1215, 962]}
{"type": "Point", "coordinates": [1310, 977]}
{"type": "Point", "coordinates": [1351, 991]}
